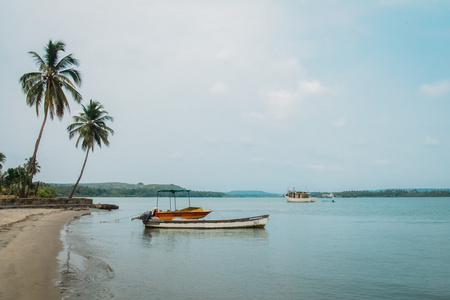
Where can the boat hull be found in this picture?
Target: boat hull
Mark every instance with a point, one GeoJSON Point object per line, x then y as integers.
{"type": "Point", "coordinates": [185, 213]}
{"type": "Point", "coordinates": [300, 200]}
{"type": "Point", "coordinates": [252, 222]}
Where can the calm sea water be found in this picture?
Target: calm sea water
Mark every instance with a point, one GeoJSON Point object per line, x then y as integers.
{"type": "Point", "coordinates": [365, 248]}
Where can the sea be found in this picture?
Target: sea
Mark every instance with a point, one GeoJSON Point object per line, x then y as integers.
{"type": "Point", "coordinates": [354, 248]}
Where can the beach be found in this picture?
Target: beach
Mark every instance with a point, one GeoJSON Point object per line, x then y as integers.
{"type": "Point", "coordinates": [29, 245]}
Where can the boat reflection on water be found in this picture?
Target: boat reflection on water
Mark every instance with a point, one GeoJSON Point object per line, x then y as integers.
{"type": "Point", "coordinates": [247, 233]}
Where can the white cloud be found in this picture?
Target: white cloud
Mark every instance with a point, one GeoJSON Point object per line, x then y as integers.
{"type": "Point", "coordinates": [341, 122]}
{"type": "Point", "coordinates": [177, 156]}
{"type": "Point", "coordinates": [381, 161]}
{"type": "Point", "coordinates": [282, 103]}
{"type": "Point", "coordinates": [253, 117]}
{"type": "Point", "coordinates": [311, 87]}
{"type": "Point", "coordinates": [225, 54]}
{"type": "Point", "coordinates": [219, 88]}
{"type": "Point", "coordinates": [431, 141]}
{"type": "Point", "coordinates": [258, 160]}
{"type": "Point", "coordinates": [435, 89]}
{"type": "Point", "coordinates": [289, 64]}
{"type": "Point", "coordinates": [384, 119]}
{"type": "Point", "coordinates": [316, 167]}
{"type": "Point", "coordinates": [212, 139]}
{"type": "Point", "coordinates": [246, 140]}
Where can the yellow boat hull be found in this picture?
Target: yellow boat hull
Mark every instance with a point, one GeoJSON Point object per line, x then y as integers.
{"type": "Point", "coordinates": [185, 213]}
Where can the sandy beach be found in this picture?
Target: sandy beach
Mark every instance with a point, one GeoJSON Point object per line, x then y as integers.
{"type": "Point", "coordinates": [29, 245]}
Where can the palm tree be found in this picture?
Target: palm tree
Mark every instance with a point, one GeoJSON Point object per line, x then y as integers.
{"type": "Point", "coordinates": [46, 87]}
{"type": "Point", "coordinates": [35, 168]}
{"type": "Point", "coordinates": [2, 161]}
{"type": "Point", "coordinates": [91, 129]}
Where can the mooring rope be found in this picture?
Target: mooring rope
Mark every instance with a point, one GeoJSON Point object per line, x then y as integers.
{"type": "Point", "coordinates": [118, 220]}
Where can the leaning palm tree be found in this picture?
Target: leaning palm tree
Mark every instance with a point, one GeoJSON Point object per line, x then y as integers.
{"type": "Point", "coordinates": [91, 129]}
{"type": "Point", "coordinates": [46, 87]}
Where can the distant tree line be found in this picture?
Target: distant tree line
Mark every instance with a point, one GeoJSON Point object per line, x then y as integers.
{"type": "Point", "coordinates": [85, 191]}
{"type": "Point", "coordinates": [13, 179]}
{"type": "Point", "coordinates": [151, 191]}
{"type": "Point", "coordinates": [393, 193]}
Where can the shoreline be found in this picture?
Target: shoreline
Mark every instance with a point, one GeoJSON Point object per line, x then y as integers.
{"type": "Point", "coordinates": [30, 242]}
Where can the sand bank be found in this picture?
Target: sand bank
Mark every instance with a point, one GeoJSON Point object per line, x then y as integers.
{"type": "Point", "coordinates": [29, 246]}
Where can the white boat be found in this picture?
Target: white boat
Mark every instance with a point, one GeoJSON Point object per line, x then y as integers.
{"type": "Point", "coordinates": [298, 197]}
{"type": "Point", "coordinates": [251, 222]}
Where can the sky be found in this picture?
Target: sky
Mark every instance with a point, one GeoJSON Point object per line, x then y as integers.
{"type": "Point", "coordinates": [240, 95]}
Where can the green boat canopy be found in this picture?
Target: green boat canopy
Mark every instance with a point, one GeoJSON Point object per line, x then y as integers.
{"type": "Point", "coordinates": [173, 191]}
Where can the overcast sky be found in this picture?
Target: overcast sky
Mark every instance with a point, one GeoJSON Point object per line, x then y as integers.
{"type": "Point", "coordinates": [240, 95]}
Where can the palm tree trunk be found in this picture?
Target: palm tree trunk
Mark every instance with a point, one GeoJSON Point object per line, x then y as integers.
{"type": "Point", "coordinates": [81, 174]}
{"type": "Point", "coordinates": [33, 158]}
{"type": "Point", "coordinates": [37, 188]}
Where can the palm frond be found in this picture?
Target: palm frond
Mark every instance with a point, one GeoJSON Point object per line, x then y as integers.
{"type": "Point", "coordinates": [51, 52]}
{"type": "Point", "coordinates": [28, 79]}
{"type": "Point", "coordinates": [48, 104]}
{"type": "Point", "coordinates": [66, 62]}
{"type": "Point", "coordinates": [34, 89]}
{"type": "Point", "coordinates": [37, 59]}
{"type": "Point", "coordinates": [68, 85]}
{"type": "Point", "coordinates": [60, 101]}
{"type": "Point", "coordinates": [60, 46]}
{"type": "Point", "coordinates": [34, 95]}
{"type": "Point", "coordinates": [74, 74]}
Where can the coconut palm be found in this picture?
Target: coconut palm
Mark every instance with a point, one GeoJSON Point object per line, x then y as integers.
{"type": "Point", "coordinates": [35, 168]}
{"type": "Point", "coordinates": [91, 129]}
{"type": "Point", "coordinates": [2, 161]}
{"type": "Point", "coordinates": [46, 87]}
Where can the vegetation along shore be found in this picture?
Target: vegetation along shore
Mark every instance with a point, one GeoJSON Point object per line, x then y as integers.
{"type": "Point", "coordinates": [117, 189]}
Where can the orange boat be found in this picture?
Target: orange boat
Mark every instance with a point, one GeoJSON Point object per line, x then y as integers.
{"type": "Point", "coordinates": [185, 213]}
{"type": "Point", "coordinates": [190, 212]}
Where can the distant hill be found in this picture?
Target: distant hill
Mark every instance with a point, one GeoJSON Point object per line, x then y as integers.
{"type": "Point", "coordinates": [119, 189]}
{"type": "Point", "coordinates": [412, 190]}
{"type": "Point", "coordinates": [395, 193]}
{"type": "Point", "coordinates": [251, 194]}
{"type": "Point", "coordinates": [122, 185]}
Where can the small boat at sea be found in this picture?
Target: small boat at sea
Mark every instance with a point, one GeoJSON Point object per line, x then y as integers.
{"type": "Point", "coordinates": [328, 197]}
{"type": "Point", "coordinates": [251, 222]}
{"type": "Point", "coordinates": [298, 197]}
{"type": "Point", "coordinates": [190, 212]}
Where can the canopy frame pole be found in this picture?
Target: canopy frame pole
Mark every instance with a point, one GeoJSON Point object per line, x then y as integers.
{"type": "Point", "coordinates": [157, 198]}
{"type": "Point", "coordinates": [174, 197]}
{"type": "Point", "coordinates": [175, 200]}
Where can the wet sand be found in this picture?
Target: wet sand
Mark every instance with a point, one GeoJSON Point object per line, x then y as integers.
{"type": "Point", "coordinates": [29, 245]}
